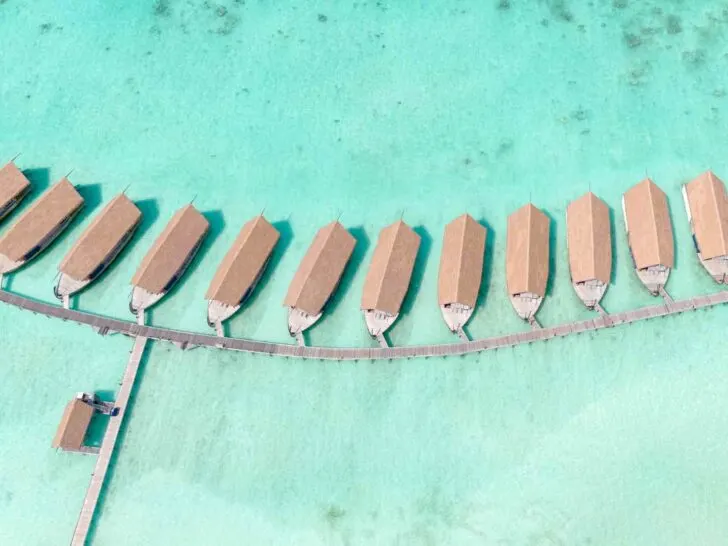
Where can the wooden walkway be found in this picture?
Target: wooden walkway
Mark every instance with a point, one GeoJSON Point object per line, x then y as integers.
{"type": "Point", "coordinates": [186, 340]}
{"type": "Point", "coordinates": [98, 477]}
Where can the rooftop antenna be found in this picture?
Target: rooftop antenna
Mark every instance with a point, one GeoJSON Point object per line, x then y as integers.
{"type": "Point", "coordinates": [16, 157]}
{"type": "Point", "coordinates": [401, 216]}
{"type": "Point", "coordinates": [339, 216]}
{"type": "Point", "coordinates": [69, 172]}
{"type": "Point", "coordinates": [193, 199]}
{"type": "Point", "coordinates": [125, 189]}
{"type": "Point", "coordinates": [262, 211]}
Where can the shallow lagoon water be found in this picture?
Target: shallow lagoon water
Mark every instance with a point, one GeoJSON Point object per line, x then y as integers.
{"type": "Point", "coordinates": [371, 111]}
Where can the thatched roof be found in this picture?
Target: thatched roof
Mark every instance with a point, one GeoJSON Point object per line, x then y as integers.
{"type": "Point", "coordinates": [171, 250]}
{"type": "Point", "coordinates": [74, 423]}
{"type": "Point", "coordinates": [527, 251]}
{"type": "Point", "coordinates": [391, 268]}
{"type": "Point", "coordinates": [588, 232]}
{"type": "Point", "coordinates": [709, 209]}
{"type": "Point", "coordinates": [650, 228]}
{"type": "Point", "coordinates": [461, 261]}
{"type": "Point", "coordinates": [321, 269]}
{"type": "Point", "coordinates": [40, 220]}
{"type": "Point", "coordinates": [13, 184]}
{"type": "Point", "coordinates": [244, 261]}
{"type": "Point", "coordinates": [100, 238]}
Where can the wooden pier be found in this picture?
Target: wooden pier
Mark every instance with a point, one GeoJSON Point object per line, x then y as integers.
{"type": "Point", "coordinates": [187, 340]}
{"type": "Point", "coordinates": [98, 477]}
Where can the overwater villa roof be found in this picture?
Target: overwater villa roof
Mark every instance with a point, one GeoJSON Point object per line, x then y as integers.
{"type": "Point", "coordinates": [13, 184]}
{"type": "Point", "coordinates": [40, 220]}
{"type": "Point", "coordinates": [243, 263]}
{"type": "Point", "coordinates": [100, 238]}
{"type": "Point", "coordinates": [527, 251]}
{"type": "Point", "coordinates": [171, 249]}
{"type": "Point", "coordinates": [74, 423]}
{"type": "Point", "coordinates": [589, 239]}
{"type": "Point", "coordinates": [709, 209]}
{"type": "Point", "coordinates": [649, 225]}
{"type": "Point", "coordinates": [391, 268]}
{"type": "Point", "coordinates": [461, 262]}
{"type": "Point", "coordinates": [321, 269]}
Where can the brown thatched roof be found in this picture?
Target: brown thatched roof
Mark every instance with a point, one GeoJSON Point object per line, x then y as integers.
{"type": "Point", "coordinates": [527, 251]}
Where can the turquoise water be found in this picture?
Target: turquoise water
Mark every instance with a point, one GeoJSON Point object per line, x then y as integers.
{"type": "Point", "coordinates": [370, 110]}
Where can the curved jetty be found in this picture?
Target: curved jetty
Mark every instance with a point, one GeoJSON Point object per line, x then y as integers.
{"type": "Point", "coordinates": [168, 258]}
{"type": "Point", "coordinates": [389, 277]}
{"type": "Point", "coordinates": [707, 207]}
{"type": "Point", "coordinates": [240, 270]}
{"type": "Point", "coordinates": [13, 187]}
{"type": "Point", "coordinates": [317, 277]}
{"type": "Point", "coordinates": [461, 271]}
{"type": "Point", "coordinates": [649, 234]}
{"type": "Point", "coordinates": [97, 247]}
{"type": "Point", "coordinates": [527, 260]}
{"type": "Point", "coordinates": [39, 226]}
{"type": "Point", "coordinates": [589, 240]}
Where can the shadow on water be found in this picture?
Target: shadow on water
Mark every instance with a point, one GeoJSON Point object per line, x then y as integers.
{"type": "Point", "coordinates": [217, 224]}
{"type": "Point", "coordinates": [674, 239]}
{"type": "Point", "coordinates": [553, 248]}
{"type": "Point", "coordinates": [99, 422]}
{"type": "Point", "coordinates": [418, 272]}
{"type": "Point", "coordinates": [355, 263]}
{"type": "Point", "coordinates": [92, 198]}
{"type": "Point", "coordinates": [487, 275]}
{"type": "Point", "coordinates": [40, 180]}
{"type": "Point", "coordinates": [119, 442]}
{"type": "Point", "coordinates": [613, 235]}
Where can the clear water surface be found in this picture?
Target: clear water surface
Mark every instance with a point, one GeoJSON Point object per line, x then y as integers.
{"type": "Point", "coordinates": [370, 110]}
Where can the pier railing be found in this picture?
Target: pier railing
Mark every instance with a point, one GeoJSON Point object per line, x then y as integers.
{"type": "Point", "coordinates": [185, 340]}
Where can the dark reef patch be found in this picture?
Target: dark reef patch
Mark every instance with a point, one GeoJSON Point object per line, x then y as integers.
{"type": "Point", "coordinates": [161, 8]}
{"type": "Point", "coordinates": [694, 58]}
{"type": "Point", "coordinates": [505, 146]}
{"type": "Point", "coordinates": [639, 74]}
{"type": "Point", "coordinates": [673, 24]}
{"type": "Point", "coordinates": [503, 5]}
{"type": "Point", "coordinates": [322, 18]}
{"type": "Point", "coordinates": [560, 11]}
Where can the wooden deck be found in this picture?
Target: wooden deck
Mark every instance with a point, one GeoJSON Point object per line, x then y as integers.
{"type": "Point", "coordinates": [186, 340]}
{"type": "Point", "coordinates": [98, 477]}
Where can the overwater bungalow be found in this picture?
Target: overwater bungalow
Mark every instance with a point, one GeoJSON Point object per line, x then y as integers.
{"type": "Point", "coordinates": [706, 204]}
{"type": "Point", "coordinates": [74, 424]}
{"type": "Point", "coordinates": [461, 271]}
{"type": "Point", "coordinates": [527, 260]}
{"type": "Point", "coordinates": [649, 234]}
{"type": "Point", "coordinates": [168, 258]}
{"type": "Point", "coordinates": [98, 246]}
{"type": "Point", "coordinates": [389, 276]}
{"type": "Point", "coordinates": [240, 270]}
{"type": "Point", "coordinates": [318, 277]}
{"type": "Point", "coordinates": [13, 187]}
{"type": "Point", "coordinates": [589, 241]}
{"type": "Point", "coordinates": [36, 229]}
